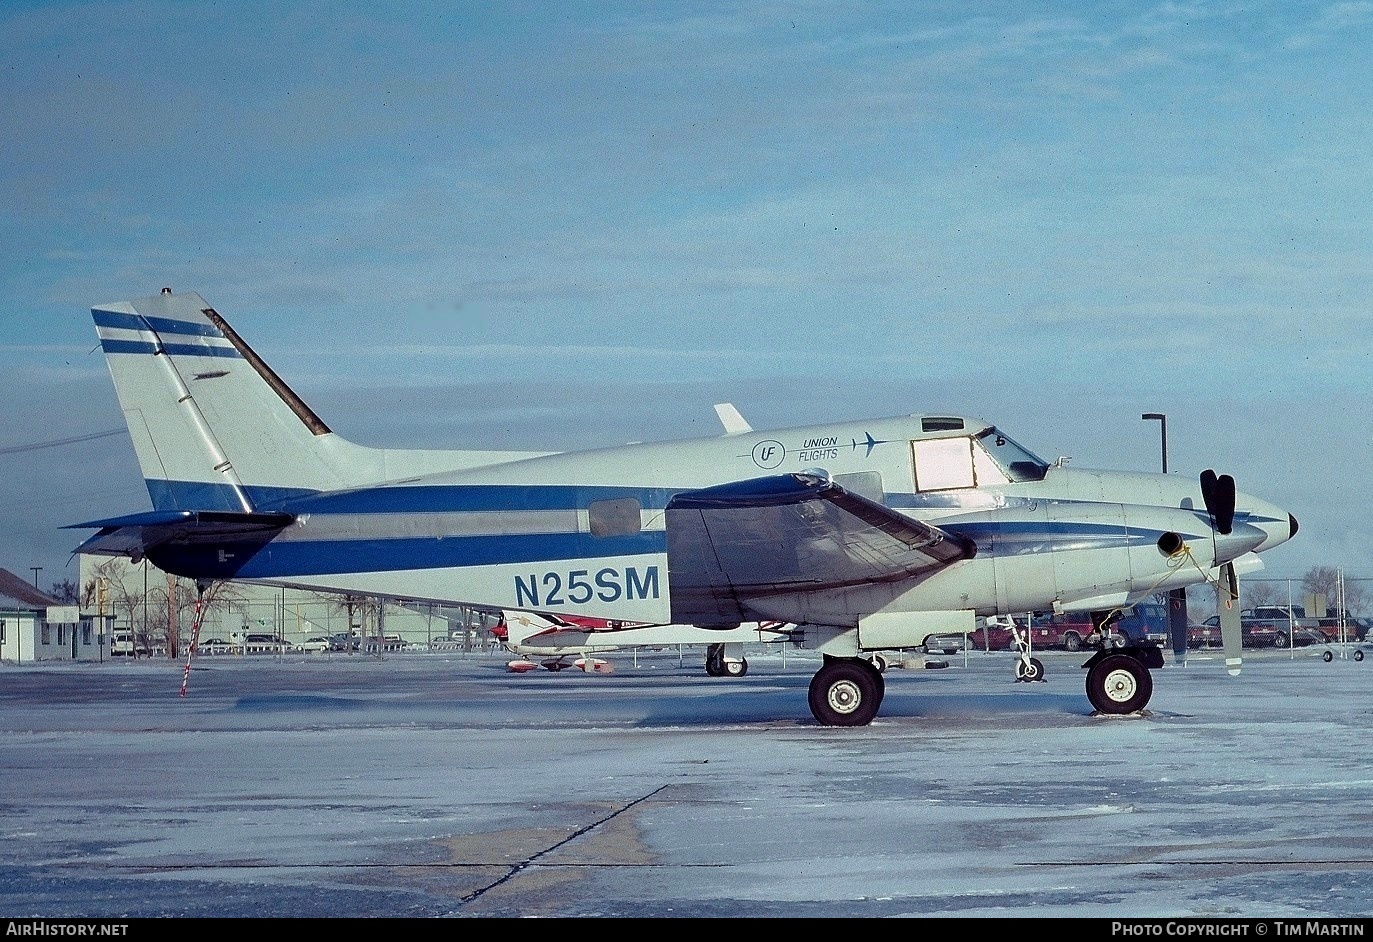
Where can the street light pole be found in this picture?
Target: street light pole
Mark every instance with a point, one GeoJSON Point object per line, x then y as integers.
{"type": "Point", "coordinates": [1177, 598]}
{"type": "Point", "coordinates": [1162, 432]}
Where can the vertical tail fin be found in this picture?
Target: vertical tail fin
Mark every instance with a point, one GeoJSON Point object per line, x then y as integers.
{"type": "Point", "coordinates": [216, 429]}
{"type": "Point", "coordinates": [213, 427]}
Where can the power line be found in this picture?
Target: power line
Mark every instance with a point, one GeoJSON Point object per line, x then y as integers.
{"type": "Point", "coordinates": [16, 449]}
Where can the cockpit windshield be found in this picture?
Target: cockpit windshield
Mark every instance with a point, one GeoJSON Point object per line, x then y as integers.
{"type": "Point", "coordinates": [1018, 463]}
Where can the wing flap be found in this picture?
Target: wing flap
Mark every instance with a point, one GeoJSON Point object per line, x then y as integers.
{"type": "Point", "coordinates": [786, 534]}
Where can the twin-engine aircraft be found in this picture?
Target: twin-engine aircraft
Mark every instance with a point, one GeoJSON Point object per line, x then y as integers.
{"type": "Point", "coordinates": [862, 536]}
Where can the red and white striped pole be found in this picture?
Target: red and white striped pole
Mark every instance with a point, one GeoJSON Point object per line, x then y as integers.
{"type": "Point", "coordinates": [195, 638]}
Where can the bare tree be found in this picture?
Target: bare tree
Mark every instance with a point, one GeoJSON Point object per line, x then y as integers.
{"type": "Point", "coordinates": [361, 611]}
{"type": "Point", "coordinates": [124, 601]}
{"type": "Point", "coordinates": [1255, 593]}
{"type": "Point", "coordinates": [64, 591]}
{"type": "Point", "coordinates": [1322, 581]}
{"type": "Point", "coordinates": [176, 602]}
{"type": "Point", "coordinates": [1355, 597]}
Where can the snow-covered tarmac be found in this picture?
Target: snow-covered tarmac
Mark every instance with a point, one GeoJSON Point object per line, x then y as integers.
{"type": "Point", "coordinates": [442, 785]}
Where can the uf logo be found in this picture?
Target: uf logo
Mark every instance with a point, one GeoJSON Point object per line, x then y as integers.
{"type": "Point", "coordinates": [768, 454]}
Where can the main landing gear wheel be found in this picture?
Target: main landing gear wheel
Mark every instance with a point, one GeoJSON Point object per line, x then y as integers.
{"type": "Point", "coordinates": [717, 665]}
{"type": "Point", "coordinates": [1119, 684]}
{"type": "Point", "coordinates": [846, 692]}
{"type": "Point", "coordinates": [1028, 673]}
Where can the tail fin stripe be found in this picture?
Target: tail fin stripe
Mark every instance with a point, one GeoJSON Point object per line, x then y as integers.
{"type": "Point", "coordinates": [164, 326]}
{"type": "Point", "coordinates": [149, 347]}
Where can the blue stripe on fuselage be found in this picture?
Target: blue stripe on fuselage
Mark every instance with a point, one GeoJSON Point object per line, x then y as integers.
{"type": "Point", "coordinates": [312, 558]}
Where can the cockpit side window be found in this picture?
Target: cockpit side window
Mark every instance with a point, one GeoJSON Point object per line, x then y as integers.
{"type": "Point", "coordinates": [942, 464]}
{"type": "Point", "coordinates": [1018, 463]}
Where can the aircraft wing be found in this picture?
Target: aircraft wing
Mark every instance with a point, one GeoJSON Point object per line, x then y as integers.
{"type": "Point", "coordinates": [787, 534]}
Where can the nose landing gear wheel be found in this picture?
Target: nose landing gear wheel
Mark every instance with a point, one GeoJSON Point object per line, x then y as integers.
{"type": "Point", "coordinates": [1028, 673]}
{"type": "Point", "coordinates": [1119, 684]}
{"type": "Point", "coordinates": [735, 668]}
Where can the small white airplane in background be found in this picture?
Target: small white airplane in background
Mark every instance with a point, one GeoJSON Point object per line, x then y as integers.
{"type": "Point", "coordinates": [554, 640]}
{"type": "Point", "coordinates": [862, 536]}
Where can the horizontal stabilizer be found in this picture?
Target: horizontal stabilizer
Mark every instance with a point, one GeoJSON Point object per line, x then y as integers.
{"type": "Point", "coordinates": [136, 534]}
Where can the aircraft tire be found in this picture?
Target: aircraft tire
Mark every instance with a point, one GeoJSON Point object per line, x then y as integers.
{"type": "Point", "coordinates": [879, 662]}
{"type": "Point", "coordinates": [735, 668]}
{"type": "Point", "coordinates": [1328, 656]}
{"type": "Point", "coordinates": [845, 692]}
{"type": "Point", "coordinates": [1119, 684]}
{"type": "Point", "coordinates": [1358, 655]}
{"type": "Point", "coordinates": [880, 680]}
{"type": "Point", "coordinates": [1028, 673]}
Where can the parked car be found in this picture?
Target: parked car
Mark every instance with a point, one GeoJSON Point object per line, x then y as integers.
{"type": "Point", "coordinates": [1355, 628]}
{"type": "Point", "coordinates": [122, 644]}
{"type": "Point", "coordinates": [1254, 634]}
{"type": "Point", "coordinates": [263, 644]}
{"type": "Point", "coordinates": [994, 634]}
{"type": "Point", "coordinates": [343, 642]}
{"type": "Point", "coordinates": [313, 643]}
{"type": "Point", "coordinates": [215, 646]}
{"type": "Point", "coordinates": [949, 643]}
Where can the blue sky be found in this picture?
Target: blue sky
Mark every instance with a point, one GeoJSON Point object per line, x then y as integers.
{"type": "Point", "coordinates": [570, 225]}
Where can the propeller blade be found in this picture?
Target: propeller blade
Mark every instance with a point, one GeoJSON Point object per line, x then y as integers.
{"type": "Point", "coordinates": [1208, 490]}
{"type": "Point", "coordinates": [1225, 503]}
{"type": "Point", "coordinates": [1228, 607]}
{"type": "Point", "coordinates": [1218, 493]}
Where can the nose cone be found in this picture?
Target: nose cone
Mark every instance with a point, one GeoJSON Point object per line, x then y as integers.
{"type": "Point", "coordinates": [1278, 525]}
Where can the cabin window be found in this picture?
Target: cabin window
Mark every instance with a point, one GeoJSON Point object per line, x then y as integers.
{"type": "Point", "coordinates": [942, 464]}
{"type": "Point", "coordinates": [863, 483]}
{"type": "Point", "coordinates": [940, 423]}
{"type": "Point", "coordinates": [618, 517]}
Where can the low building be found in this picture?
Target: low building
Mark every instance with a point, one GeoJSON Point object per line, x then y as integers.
{"type": "Point", "coordinates": [35, 626]}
